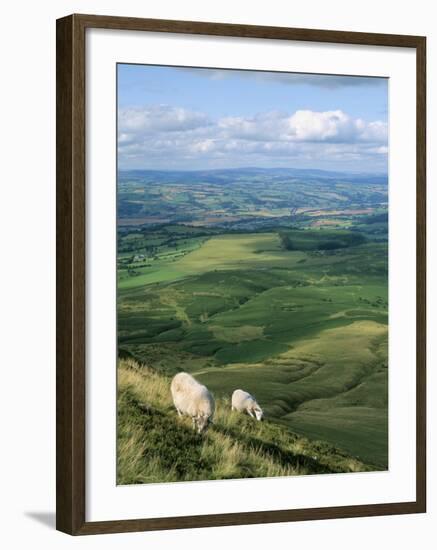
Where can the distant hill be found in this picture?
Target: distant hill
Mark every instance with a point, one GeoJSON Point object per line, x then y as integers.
{"type": "Point", "coordinates": [154, 445]}
{"type": "Point", "coordinates": [228, 173]}
{"type": "Point", "coordinates": [248, 196]}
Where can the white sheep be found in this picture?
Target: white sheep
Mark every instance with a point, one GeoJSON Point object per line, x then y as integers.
{"type": "Point", "coordinates": [242, 401]}
{"type": "Point", "coordinates": [192, 399]}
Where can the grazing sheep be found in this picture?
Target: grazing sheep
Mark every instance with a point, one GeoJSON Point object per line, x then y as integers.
{"type": "Point", "coordinates": [243, 401]}
{"type": "Point", "coordinates": [192, 399]}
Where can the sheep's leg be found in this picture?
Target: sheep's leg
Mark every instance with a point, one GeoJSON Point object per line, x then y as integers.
{"type": "Point", "coordinates": [179, 412]}
{"type": "Point", "coordinates": [194, 421]}
{"type": "Point", "coordinates": [250, 413]}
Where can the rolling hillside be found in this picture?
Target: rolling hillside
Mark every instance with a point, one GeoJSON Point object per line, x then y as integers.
{"type": "Point", "coordinates": [155, 445]}
{"type": "Point", "coordinates": [304, 330]}
{"type": "Point", "coordinates": [275, 281]}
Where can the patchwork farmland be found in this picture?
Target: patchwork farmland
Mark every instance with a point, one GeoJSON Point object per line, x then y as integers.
{"type": "Point", "coordinates": [241, 289]}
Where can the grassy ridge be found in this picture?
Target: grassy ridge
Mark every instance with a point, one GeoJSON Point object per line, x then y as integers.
{"type": "Point", "coordinates": [155, 445]}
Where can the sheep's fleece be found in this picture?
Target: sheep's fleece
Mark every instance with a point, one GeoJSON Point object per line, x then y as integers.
{"type": "Point", "coordinates": [242, 401]}
{"type": "Point", "coordinates": [192, 399]}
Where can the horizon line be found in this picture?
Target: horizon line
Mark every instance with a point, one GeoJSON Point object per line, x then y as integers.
{"type": "Point", "coordinates": [248, 168]}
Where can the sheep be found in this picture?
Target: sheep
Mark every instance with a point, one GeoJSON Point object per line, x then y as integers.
{"type": "Point", "coordinates": [243, 401]}
{"type": "Point", "coordinates": [192, 399]}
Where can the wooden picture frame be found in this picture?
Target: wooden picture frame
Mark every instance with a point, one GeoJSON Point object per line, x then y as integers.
{"type": "Point", "coordinates": [71, 283]}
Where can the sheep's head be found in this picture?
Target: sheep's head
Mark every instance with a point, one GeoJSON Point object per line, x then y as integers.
{"type": "Point", "coordinates": [259, 413]}
{"type": "Point", "coordinates": [202, 422]}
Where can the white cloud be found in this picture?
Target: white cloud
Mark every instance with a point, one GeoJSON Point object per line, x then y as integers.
{"type": "Point", "coordinates": [171, 136]}
{"type": "Point", "coordinates": [322, 126]}
{"type": "Point", "coordinates": [304, 125]}
{"type": "Point", "coordinates": [160, 118]}
{"type": "Point", "coordinates": [375, 131]}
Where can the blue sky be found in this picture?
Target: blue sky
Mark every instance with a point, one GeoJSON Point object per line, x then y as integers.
{"type": "Point", "coordinates": [191, 118]}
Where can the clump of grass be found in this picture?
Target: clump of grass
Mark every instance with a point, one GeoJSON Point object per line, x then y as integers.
{"type": "Point", "coordinates": [155, 445]}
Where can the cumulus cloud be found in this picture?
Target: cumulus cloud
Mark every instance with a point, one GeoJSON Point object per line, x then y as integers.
{"type": "Point", "coordinates": [304, 125]}
{"type": "Point", "coordinates": [323, 126]}
{"type": "Point", "coordinates": [160, 118]}
{"type": "Point", "coordinates": [171, 136]}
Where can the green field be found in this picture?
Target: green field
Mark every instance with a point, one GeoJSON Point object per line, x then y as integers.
{"type": "Point", "coordinates": [155, 445]}
{"type": "Point", "coordinates": [303, 327]}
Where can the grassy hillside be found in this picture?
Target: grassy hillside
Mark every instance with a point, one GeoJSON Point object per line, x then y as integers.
{"type": "Point", "coordinates": [303, 330]}
{"type": "Point", "coordinates": [155, 445]}
{"type": "Point", "coordinates": [331, 387]}
{"type": "Point", "coordinates": [275, 281]}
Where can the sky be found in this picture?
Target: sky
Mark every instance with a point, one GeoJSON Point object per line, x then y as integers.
{"type": "Point", "coordinates": [180, 118]}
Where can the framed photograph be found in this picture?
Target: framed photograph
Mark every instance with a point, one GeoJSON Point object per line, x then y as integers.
{"type": "Point", "coordinates": [240, 274]}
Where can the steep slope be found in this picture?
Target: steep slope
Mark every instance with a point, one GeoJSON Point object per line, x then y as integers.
{"type": "Point", "coordinates": [154, 445]}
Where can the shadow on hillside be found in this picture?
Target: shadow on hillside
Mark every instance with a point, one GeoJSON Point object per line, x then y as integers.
{"type": "Point", "coordinates": [284, 457]}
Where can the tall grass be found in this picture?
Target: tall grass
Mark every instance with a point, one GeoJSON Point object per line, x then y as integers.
{"type": "Point", "coordinates": [155, 445]}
